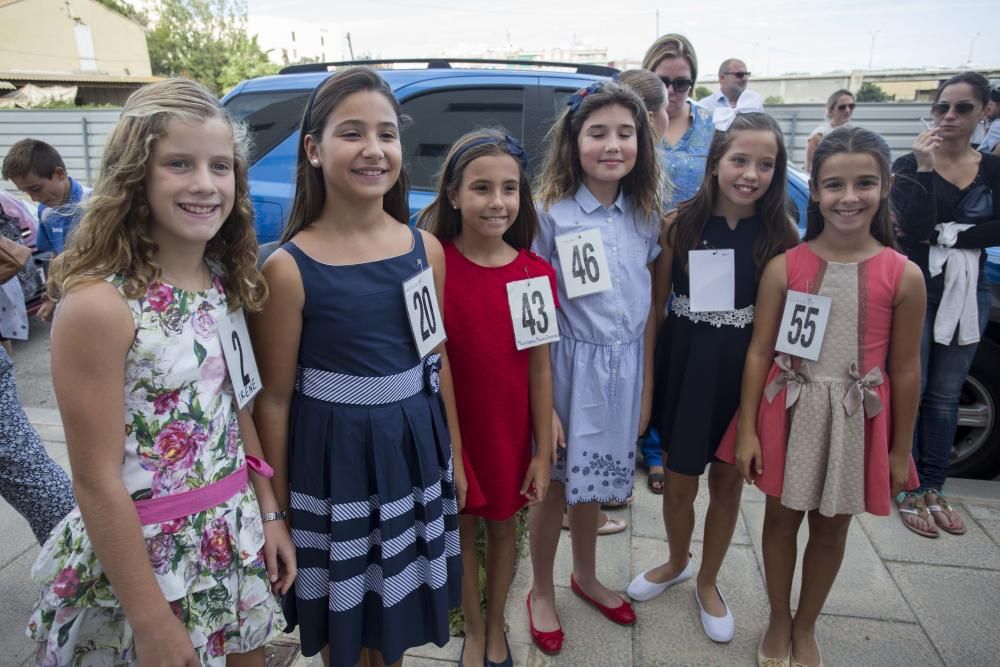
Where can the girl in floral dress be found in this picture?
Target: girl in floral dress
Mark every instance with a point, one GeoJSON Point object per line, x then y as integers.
{"type": "Point", "coordinates": [166, 559]}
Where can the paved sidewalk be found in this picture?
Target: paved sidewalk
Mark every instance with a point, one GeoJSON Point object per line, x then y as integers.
{"type": "Point", "coordinates": [900, 599]}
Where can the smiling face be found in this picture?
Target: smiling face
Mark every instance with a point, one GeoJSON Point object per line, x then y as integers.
{"type": "Point", "coordinates": [607, 144]}
{"type": "Point", "coordinates": [675, 67]}
{"type": "Point", "coordinates": [849, 191]}
{"type": "Point", "coordinates": [359, 150]}
{"type": "Point", "coordinates": [190, 183]}
{"type": "Point", "coordinates": [954, 123]}
{"type": "Point", "coordinates": [489, 195]}
{"type": "Point", "coordinates": [745, 170]}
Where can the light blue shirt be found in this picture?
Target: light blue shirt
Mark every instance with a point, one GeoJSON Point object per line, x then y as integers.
{"type": "Point", "coordinates": [684, 162]}
{"type": "Point", "coordinates": [991, 139]}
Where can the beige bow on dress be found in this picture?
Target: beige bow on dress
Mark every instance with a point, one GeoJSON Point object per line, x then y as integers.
{"type": "Point", "coordinates": [862, 391]}
{"type": "Point", "coordinates": [789, 378]}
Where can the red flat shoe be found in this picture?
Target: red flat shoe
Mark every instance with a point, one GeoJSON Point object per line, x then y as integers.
{"type": "Point", "coordinates": [550, 642]}
{"type": "Point", "coordinates": [623, 614]}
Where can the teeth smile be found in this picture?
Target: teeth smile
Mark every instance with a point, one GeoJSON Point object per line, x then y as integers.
{"type": "Point", "coordinates": [745, 188]}
{"type": "Point", "coordinates": [371, 172]}
{"type": "Point", "coordinates": [847, 213]}
{"type": "Point", "coordinates": [197, 210]}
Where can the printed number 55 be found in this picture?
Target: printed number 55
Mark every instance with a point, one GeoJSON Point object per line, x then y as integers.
{"type": "Point", "coordinates": [805, 329]}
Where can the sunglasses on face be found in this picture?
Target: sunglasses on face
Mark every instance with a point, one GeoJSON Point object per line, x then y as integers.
{"type": "Point", "coordinates": [739, 75]}
{"type": "Point", "coordinates": [961, 108]}
{"type": "Point", "coordinates": [680, 85]}
{"type": "Point", "coordinates": [845, 107]}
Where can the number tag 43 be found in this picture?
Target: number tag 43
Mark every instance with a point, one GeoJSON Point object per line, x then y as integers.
{"type": "Point", "coordinates": [803, 324]}
{"type": "Point", "coordinates": [584, 263]}
{"type": "Point", "coordinates": [239, 356]}
{"type": "Point", "coordinates": [533, 312]}
{"type": "Point", "coordinates": [424, 312]}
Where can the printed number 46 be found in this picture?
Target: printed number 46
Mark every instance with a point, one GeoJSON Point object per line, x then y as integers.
{"type": "Point", "coordinates": [422, 304]}
{"type": "Point", "coordinates": [528, 321]}
{"type": "Point", "coordinates": [805, 328]}
{"type": "Point", "coordinates": [585, 266]}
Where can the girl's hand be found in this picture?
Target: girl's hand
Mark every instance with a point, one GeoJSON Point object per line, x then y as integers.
{"type": "Point", "coordinates": [279, 556]}
{"type": "Point", "coordinates": [558, 436]}
{"type": "Point", "coordinates": [899, 472]}
{"type": "Point", "coordinates": [461, 484]}
{"type": "Point", "coordinates": [748, 457]}
{"type": "Point", "coordinates": [166, 644]}
{"type": "Point", "coordinates": [924, 148]}
{"type": "Point", "coordinates": [536, 480]}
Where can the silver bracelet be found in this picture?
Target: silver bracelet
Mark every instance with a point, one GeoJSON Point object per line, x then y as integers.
{"type": "Point", "coordinates": [273, 516]}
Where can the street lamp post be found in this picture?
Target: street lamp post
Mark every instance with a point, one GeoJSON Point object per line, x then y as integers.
{"type": "Point", "coordinates": [871, 49]}
{"type": "Point", "coordinates": [972, 46]}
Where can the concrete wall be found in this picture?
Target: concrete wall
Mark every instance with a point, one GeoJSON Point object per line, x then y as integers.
{"type": "Point", "coordinates": [40, 36]}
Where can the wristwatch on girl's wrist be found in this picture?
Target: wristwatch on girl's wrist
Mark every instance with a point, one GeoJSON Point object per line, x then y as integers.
{"type": "Point", "coordinates": [273, 516]}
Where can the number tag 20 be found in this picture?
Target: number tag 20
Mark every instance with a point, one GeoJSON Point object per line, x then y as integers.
{"type": "Point", "coordinates": [803, 324]}
{"type": "Point", "coordinates": [532, 311]}
{"type": "Point", "coordinates": [424, 312]}
{"type": "Point", "coordinates": [239, 356]}
{"type": "Point", "coordinates": [584, 263]}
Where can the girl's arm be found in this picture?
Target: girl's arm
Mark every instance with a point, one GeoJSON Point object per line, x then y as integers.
{"type": "Point", "coordinates": [760, 355]}
{"type": "Point", "coordinates": [649, 340]}
{"type": "Point", "coordinates": [91, 337]}
{"type": "Point", "coordinates": [540, 396]}
{"type": "Point", "coordinates": [275, 332]}
{"type": "Point", "coordinates": [279, 552]}
{"type": "Point", "coordinates": [663, 274]}
{"type": "Point", "coordinates": [904, 370]}
{"type": "Point", "coordinates": [435, 255]}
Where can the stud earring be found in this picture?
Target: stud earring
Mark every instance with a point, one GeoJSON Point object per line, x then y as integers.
{"type": "Point", "coordinates": [314, 163]}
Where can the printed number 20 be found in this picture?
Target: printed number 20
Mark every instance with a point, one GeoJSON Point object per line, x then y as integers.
{"type": "Point", "coordinates": [585, 267]}
{"type": "Point", "coordinates": [528, 321]}
{"type": "Point", "coordinates": [803, 325]}
{"type": "Point", "coordinates": [422, 303]}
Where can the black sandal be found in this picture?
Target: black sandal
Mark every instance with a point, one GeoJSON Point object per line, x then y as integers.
{"type": "Point", "coordinates": [654, 478]}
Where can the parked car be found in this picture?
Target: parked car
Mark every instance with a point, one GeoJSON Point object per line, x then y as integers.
{"type": "Point", "coordinates": [444, 101]}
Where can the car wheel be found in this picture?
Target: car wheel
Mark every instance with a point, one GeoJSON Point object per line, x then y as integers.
{"type": "Point", "coordinates": [976, 453]}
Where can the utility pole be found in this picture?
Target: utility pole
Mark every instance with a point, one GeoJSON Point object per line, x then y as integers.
{"type": "Point", "coordinates": [657, 24]}
{"type": "Point", "coordinates": [871, 49]}
{"type": "Point", "coordinates": [350, 48]}
{"type": "Point", "coordinates": [971, 46]}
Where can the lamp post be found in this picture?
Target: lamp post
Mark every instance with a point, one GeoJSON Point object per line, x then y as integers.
{"type": "Point", "coordinates": [971, 46]}
{"type": "Point", "coordinates": [871, 49]}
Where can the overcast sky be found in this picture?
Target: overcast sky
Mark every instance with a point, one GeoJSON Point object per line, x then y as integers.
{"type": "Point", "coordinates": [773, 36]}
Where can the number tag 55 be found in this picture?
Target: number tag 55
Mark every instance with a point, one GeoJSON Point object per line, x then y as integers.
{"type": "Point", "coordinates": [423, 310]}
{"type": "Point", "coordinates": [803, 325]}
{"type": "Point", "coordinates": [584, 263]}
{"type": "Point", "coordinates": [532, 310]}
{"type": "Point", "coordinates": [239, 356]}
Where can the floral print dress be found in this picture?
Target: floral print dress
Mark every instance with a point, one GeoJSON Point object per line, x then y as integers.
{"type": "Point", "coordinates": [181, 433]}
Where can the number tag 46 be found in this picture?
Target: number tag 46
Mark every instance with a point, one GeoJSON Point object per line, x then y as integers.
{"type": "Point", "coordinates": [424, 312]}
{"type": "Point", "coordinates": [239, 356]}
{"type": "Point", "coordinates": [584, 263]}
{"type": "Point", "coordinates": [803, 325]}
{"type": "Point", "coordinates": [533, 312]}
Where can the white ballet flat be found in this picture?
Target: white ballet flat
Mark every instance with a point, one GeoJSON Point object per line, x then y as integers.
{"type": "Point", "coordinates": [719, 629]}
{"type": "Point", "coordinates": [642, 589]}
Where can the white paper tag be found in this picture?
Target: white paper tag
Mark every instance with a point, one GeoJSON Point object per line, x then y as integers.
{"type": "Point", "coordinates": [803, 324]}
{"type": "Point", "coordinates": [584, 263]}
{"type": "Point", "coordinates": [239, 356]}
{"type": "Point", "coordinates": [533, 312]}
{"type": "Point", "coordinates": [712, 280]}
{"type": "Point", "coordinates": [424, 312]}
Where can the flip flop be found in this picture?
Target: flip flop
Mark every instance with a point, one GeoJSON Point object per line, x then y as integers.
{"type": "Point", "coordinates": [938, 512]}
{"type": "Point", "coordinates": [917, 509]}
{"type": "Point", "coordinates": [655, 478]}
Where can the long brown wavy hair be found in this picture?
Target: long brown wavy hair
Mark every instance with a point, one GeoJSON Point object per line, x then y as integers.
{"type": "Point", "coordinates": [310, 186]}
{"type": "Point", "coordinates": [445, 222]}
{"type": "Point", "coordinates": [854, 140]}
{"type": "Point", "coordinates": [113, 236]}
{"type": "Point", "coordinates": [780, 232]}
{"type": "Point", "coordinates": [562, 175]}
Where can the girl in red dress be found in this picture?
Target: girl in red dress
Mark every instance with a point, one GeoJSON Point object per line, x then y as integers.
{"type": "Point", "coordinates": [485, 218]}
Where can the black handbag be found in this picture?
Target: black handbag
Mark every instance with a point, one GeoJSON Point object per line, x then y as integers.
{"type": "Point", "coordinates": [975, 205]}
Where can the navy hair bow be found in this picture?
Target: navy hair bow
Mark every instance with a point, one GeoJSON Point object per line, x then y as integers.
{"type": "Point", "coordinates": [576, 99]}
{"type": "Point", "coordinates": [509, 143]}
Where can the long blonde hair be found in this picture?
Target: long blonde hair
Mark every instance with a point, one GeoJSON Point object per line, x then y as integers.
{"type": "Point", "coordinates": [113, 237]}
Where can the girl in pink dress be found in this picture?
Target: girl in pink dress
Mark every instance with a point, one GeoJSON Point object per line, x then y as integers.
{"type": "Point", "coordinates": [826, 437]}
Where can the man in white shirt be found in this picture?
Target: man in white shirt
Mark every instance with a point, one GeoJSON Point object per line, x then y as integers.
{"type": "Point", "coordinates": [733, 80]}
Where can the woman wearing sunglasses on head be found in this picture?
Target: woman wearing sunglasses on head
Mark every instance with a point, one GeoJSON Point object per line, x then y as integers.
{"type": "Point", "coordinates": [947, 199]}
{"type": "Point", "coordinates": [839, 109]}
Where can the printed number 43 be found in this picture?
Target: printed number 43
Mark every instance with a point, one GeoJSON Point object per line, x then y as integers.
{"type": "Point", "coordinates": [585, 265]}
{"type": "Point", "coordinates": [528, 321]}
{"type": "Point", "coordinates": [805, 328]}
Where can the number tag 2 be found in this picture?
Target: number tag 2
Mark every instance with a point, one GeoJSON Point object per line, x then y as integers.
{"type": "Point", "coordinates": [533, 312]}
{"type": "Point", "coordinates": [239, 356]}
{"type": "Point", "coordinates": [424, 312]}
{"type": "Point", "coordinates": [803, 324]}
{"type": "Point", "coordinates": [584, 263]}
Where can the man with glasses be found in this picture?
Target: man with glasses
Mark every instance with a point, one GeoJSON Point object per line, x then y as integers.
{"type": "Point", "coordinates": [733, 80]}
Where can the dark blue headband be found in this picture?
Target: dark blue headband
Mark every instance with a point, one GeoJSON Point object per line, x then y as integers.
{"type": "Point", "coordinates": [509, 143]}
{"type": "Point", "coordinates": [576, 99]}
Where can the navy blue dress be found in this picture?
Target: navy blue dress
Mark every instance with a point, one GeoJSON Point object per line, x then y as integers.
{"type": "Point", "coordinates": [373, 510]}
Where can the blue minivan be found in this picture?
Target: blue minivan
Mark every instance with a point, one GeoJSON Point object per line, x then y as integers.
{"type": "Point", "coordinates": [444, 101]}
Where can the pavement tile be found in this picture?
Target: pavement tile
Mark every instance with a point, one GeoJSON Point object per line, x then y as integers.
{"type": "Point", "coordinates": [414, 661]}
{"type": "Point", "coordinates": [862, 641]}
{"type": "Point", "coordinates": [894, 542]}
{"type": "Point", "coordinates": [449, 651]}
{"type": "Point", "coordinates": [18, 595]}
{"type": "Point", "coordinates": [647, 516]}
{"type": "Point", "coordinates": [956, 608]}
{"type": "Point", "coordinates": [612, 558]}
{"type": "Point", "coordinates": [669, 629]}
{"type": "Point", "coordinates": [982, 511]}
{"type": "Point", "coordinates": [863, 587]}
{"type": "Point", "coordinates": [992, 529]}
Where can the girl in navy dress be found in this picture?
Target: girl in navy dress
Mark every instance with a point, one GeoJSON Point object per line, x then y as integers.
{"type": "Point", "coordinates": [351, 416]}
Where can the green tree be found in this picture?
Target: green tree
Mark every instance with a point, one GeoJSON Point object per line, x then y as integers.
{"type": "Point", "coordinates": [870, 92]}
{"type": "Point", "coordinates": [205, 40]}
{"type": "Point", "coordinates": [701, 91]}
{"type": "Point", "coordinates": [125, 9]}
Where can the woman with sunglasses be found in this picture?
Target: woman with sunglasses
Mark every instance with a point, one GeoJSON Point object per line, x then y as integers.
{"type": "Point", "coordinates": [947, 199]}
{"type": "Point", "coordinates": [839, 109]}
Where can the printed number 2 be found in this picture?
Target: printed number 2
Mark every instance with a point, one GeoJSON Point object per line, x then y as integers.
{"type": "Point", "coordinates": [799, 336]}
{"type": "Point", "coordinates": [238, 346]}
{"type": "Point", "coordinates": [528, 320]}
{"type": "Point", "coordinates": [422, 303]}
{"type": "Point", "coordinates": [585, 267]}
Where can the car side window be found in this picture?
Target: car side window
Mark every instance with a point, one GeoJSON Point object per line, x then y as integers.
{"type": "Point", "coordinates": [270, 117]}
{"type": "Point", "coordinates": [440, 117]}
